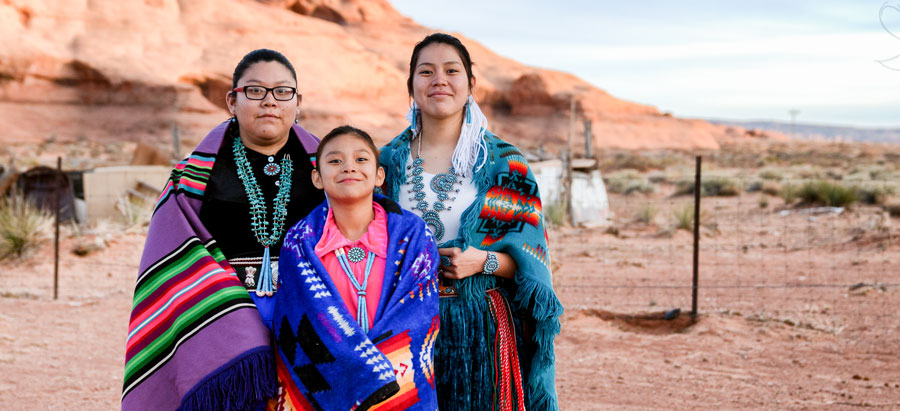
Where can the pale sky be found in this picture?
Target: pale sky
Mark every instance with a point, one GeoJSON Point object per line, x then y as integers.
{"type": "Point", "coordinates": [740, 60]}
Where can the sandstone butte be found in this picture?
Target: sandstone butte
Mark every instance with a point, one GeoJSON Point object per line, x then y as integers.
{"type": "Point", "coordinates": [112, 70]}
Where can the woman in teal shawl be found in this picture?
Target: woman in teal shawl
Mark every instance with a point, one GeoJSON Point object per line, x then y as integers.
{"type": "Point", "coordinates": [499, 313]}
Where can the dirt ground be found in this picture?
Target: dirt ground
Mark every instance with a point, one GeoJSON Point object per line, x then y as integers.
{"type": "Point", "coordinates": [797, 310]}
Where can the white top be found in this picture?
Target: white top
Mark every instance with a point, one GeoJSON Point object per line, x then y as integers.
{"type": "Point", "coordinates": [450, 218]}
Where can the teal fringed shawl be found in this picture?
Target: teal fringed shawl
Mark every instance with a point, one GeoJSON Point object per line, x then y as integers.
{"type": "Point", "coordinates": [506, 217]}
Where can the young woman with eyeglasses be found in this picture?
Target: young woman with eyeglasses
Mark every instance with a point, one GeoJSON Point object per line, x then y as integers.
{"type": "Point", "coordinates": [198, 335]}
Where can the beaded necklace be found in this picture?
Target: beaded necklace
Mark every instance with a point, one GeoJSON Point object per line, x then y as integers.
{"type": "Point", "coordinates": [441, 184]}
{"type": "Point", "coordinates": [362, 313]}
{"type": "Point", "coordinates": [258, 221]}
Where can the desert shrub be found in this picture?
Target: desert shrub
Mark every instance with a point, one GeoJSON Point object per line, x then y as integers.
{"type": "Point", "coordinates": [656, 177]}
{"type": "Point", "coordinates": [712, 186]}
{"type": "Point", "coordinates": [684, 217]}
{"type": "Point", "coordinates": [721, 186]}
{"type": "Point", "coordinates": [555, 213]}
{"type": "Point", "coordinates": [23, 227]}
{"type": "Point", "coordinates": [628, 182]}
{"type": "Point", "coordinates": [754, 186]}
{"type": "Point", "coordinates": [827, 193]}
{"type": "Point", "coordinates": [770, 174]}
{"type": "Point", "coordinates": [806, 171]}
{"type": "Point", "coordinates": [789, 193]}
{"type": "Point", "coordinates": [893, 208]}
{"type": "Point", "coordinates": [763, 201]}
{"type": "Point", "coordinates": [771, 188]}
{"type": "Point", "coordinates": [135, 212]}
{"type": "Point", "coordinates": [646, 214]}
{"type": "Point", "coordinates": [874, 193]}
{"type": "Point", "coordinates": [640, 161]}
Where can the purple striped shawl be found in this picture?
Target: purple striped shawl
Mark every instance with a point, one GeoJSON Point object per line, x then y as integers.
{"type": "Point", "coordinates": [209, 351]}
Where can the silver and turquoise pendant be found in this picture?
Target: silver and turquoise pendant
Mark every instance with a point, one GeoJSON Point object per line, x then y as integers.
{"type": "Point", "coordinates": [356, 254]}
{"type": "Point", "coordinates": [272, 169]}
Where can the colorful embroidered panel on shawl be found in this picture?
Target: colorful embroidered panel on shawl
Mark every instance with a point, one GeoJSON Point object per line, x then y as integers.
{"type": "Point", "coordinates": [506, 217]}
{"type": "Point", "coordinates": [330, 364]}
{"type": "Point", "coordinates": [195, 339]}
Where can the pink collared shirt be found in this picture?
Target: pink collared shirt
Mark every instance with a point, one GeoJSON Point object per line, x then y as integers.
{"type": "Point", "coordinates": [375, 240]}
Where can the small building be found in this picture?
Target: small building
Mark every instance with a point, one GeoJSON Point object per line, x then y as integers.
{"type": "Point", "coordinates": [590, 205]}
{"type": "Point", "coordinates": [105, 187]}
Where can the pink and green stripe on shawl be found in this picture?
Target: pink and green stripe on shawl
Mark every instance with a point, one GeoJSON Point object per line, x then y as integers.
{"type": "Point", "coordinates": [190, 175]}
{"type": "Point", "coordinates": [175, 299]}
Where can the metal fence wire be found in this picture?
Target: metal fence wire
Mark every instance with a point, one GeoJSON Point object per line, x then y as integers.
{"type": "Point", "coordinates": [767, 251]}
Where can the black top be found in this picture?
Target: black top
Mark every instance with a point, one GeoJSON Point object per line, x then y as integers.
{"type": "Point", "coordinates": [226, 208]}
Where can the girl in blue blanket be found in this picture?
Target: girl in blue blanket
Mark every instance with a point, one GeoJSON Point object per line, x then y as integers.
{"type": "Point", "coordinates": [356, 313]}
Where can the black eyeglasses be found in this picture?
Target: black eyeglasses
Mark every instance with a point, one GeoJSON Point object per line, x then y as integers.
{"type": "Point", "coordinates": [260, 92]}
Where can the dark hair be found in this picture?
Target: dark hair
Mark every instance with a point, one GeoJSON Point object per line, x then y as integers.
{"type": "Point", "coordinates": [439, 38]}
{"type": "Point", "coordinates": [257, 56]}
{"type": "Point", "coordinates": [340, 131]}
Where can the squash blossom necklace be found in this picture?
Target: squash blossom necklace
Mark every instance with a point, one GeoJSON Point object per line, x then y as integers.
{"type": "Point", "coordinates": [259, 224]}
{"type": "Point", "coordinates": [441, 185]}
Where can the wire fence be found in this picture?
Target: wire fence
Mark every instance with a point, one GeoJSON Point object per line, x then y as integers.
{"type": "Point", "coordinates": [768, 250]}
{"type": "Point", "coordinates": [819, 253]}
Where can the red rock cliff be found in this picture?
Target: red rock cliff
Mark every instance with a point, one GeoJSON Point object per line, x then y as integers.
{"type": "Point", "coordinates": [106, 69]}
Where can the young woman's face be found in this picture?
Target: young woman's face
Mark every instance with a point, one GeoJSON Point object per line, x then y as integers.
{"type": "Point", "coordinates": [265, 121]}
{"type": "Point", "coordinates": [440, 84]}
{"type": "Point", "coordinates": [348, 170]}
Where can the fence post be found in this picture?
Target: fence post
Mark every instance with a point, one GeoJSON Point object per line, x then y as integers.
{"type": "Point", "coordinates": [56, 235]}
{"type": "Point", "coordinates": [588, 139]}
{"type": "Point", "coordinates": [176, 144]}
{"type": "Point", "coordinates": [697, 189]}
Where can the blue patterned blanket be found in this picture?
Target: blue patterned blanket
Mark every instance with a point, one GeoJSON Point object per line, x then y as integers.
{"type": "Point", "coordinates": [325, 360]}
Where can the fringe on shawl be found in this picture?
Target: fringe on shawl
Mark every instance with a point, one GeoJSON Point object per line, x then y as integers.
{"type": "Point", "coordinates": [545, 309]}
{"type": "Point", "coordinates": [238, 385]}
{"type": "Point", "coordinates": [537, 299]}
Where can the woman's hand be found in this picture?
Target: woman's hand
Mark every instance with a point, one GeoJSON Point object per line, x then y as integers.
{"type": "Point", "coordinates": [467, 263]}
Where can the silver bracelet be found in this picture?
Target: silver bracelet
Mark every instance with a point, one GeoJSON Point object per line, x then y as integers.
{"type": "Point", "coordinates": [491, 264]}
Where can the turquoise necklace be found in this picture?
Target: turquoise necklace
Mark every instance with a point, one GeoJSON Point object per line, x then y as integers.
{"type": "Point", "coordinates": [441, 185]}
{"type": "Point", "coordinates": [259, 224]}
{"type": "Point", "coordinates": [362, 313]}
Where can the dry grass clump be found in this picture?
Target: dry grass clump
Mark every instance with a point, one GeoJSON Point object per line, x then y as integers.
{"type": "Point", "coordinates": [874, 193]}
{"type": "Point", "coordinates": [646, 214]}
{"type": "Point", "coordinates": [771, 174]}
{"type": "Point", "coordinates": [710, 187]}
{"type": "Point", "coordinates": [771, 188]}
{"type": "Point", "coordinates": [641, 161]}
{"type": "Point", "coordinates": [893, 208]}
{"type": "Point", "coordinates": [555, 213]}
{"type": "Point", "coordinates": [827, 193]}
{"type": "Point", "coordinates": [135, 212]}
{"type": "Point", "coordinates": [789, 193]}
{"type": "Point", "coordinates": [628, 182]}
{"type": "Point", "coordinates": [23, 227]}
{"type": "Point", "coordinates": [684, 217]}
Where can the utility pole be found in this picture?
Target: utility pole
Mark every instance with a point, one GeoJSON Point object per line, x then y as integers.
{"type": "Point", "coordinates": [794, 113]}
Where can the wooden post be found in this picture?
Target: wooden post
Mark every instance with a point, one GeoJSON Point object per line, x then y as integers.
{"type": "Point", "coordinates": [56, 235]}
{"type": "Point", "coordinates": [567, 162]}
{"type": "Point", "coordinates": [571, 123]}
{"type": "Point", "coordinates": [588, 139]}
{"type": "Point", "coordinates": [176, 144]}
